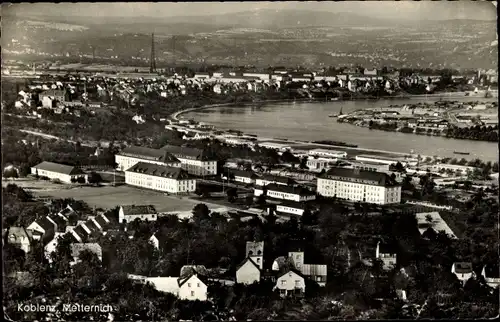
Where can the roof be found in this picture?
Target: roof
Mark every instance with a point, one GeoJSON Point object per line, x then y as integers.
{"type": "Point", "coordinates": [293, 204]}
{"type": "Point", "coordinates": [255, 248]}
{"type": "Point", "coordinates": [45, 224]}
{"type": "Point", "coordinates": [61, 223]}
{"type": "Point", "coordinates": [59, 168]}
{"type": "Point", "coordinates": [67, 211]}
{"type": "Point", "coordinates": [52, 92]}
{"type": "Point", "coordinates": [138, 210]}
{"type": "Point", "coordinates": [149, 154]}
{"type": "Point", "coordinates": [77, 248]}
{"type": "Point", "coordinates": [187, 153]}
{"type": "Point", "coordinates": [463, 267]}
{"type": "Point", "coordinates": [101, 222]}
{"type": "Point", "coordinates": [92, 226]}
{"type": "Point", "coordinates": [291, 270]}
{"type": "Point", "coordinates": [183, 280]}
{"type": "Point", "coordinates": [491, 271]}
{"type": "Point", "coordinates": [160, 171]}
{"type": "Point", "coordinates": [19, 232]}
{"type": "Point", "coordinates": [287, 189]}
{"type": "Point", "coordinates": [241, 173]}
{"type": "Point", "coordinates": [188, 270]}
{"type": "Point", "coordinates": [162, 284]}
{"type": "Point", "coordinates": [360, 176]}
{"type": "Point", "coordinates": [437, 223]}
{"type": "Point", "coordinates": [248, 259]}
{"type": "Point", "coordinates": [385, 248]}
{"type": "Point", "coordinates": [81, 232]}
{"type": "Point", "coordinates": [280, 179]}
{"type": "Point", "coordinates": [314, 270]}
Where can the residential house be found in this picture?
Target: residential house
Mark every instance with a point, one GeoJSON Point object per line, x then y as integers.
{"type": "Point", "coordinates": [129, 213]}
{"type": "Point", "coordinates": [316, 164]}
{"type": "Point", "coordinates": [255, 251]}
{"type": "Point", "coordinates": [370, 72]}
{"type": "Point", "coordinates": [463, 271]}
{"type": "Point", "coordinates": [193, 287]}
{"type": "Point", "coordinates": [291, 208]}
{"type": "Point", "coordinates": [154, 241]}
{"type": "Point", "coordinates": [60, 222]}
{"type": "Point", "coordinates": [433, 220]}
{"type": "Point", "coordinates": [296, 261]}
{"type": "Point", "coordinates": [290, 283]}
{"type": "Point", "coordinates": [266, 179]}
{"type": "Point", "coordinates": [387, 254]}
{"type": "Point", "coordinates": [80, 233]}
{"type": "Point", "coordinates": [51, 246]}
{"type": "Point", "coordinates": [194, 161]}
{"type": "Point", "coordinates": [132, 155]}
{"type": "Point", "coordinates": [50, 98]}
{"type": "Point", "coordinates": [491, 275]}
{"type": "Point", "coordinates": [21, 237]}
{"type": "Point", "coordinates": [242, 176]}
{"type": "Point", "coordinates": [42, 228]}
{"type": "Point", "coordinates": [56, 171]}
{"type": "Point", "coordinates": [298, 194]}
{"type": "Point", "coordinates": [359, 185]}
{"type": "Point", "coordinates": [160, 178]}
{"type": "Point", "coordinates": [248, 272]}
{"type": "Point", "coordinates": [78, 248]}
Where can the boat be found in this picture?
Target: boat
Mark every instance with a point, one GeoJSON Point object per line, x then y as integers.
{"type": "Point", "coordinates": [461, 153]}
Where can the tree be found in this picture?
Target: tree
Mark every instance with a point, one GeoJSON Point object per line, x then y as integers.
{"type": "Point", "coordinates": [201, 211]}
{"type": "Point", "coordinates": [232, 194]}
{"type": "Point", "coordinates": [94, 178]}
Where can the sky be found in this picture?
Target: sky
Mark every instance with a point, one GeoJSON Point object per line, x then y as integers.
{"type": "Point", "coordinates": [408, 10]}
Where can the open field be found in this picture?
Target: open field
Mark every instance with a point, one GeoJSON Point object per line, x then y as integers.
{"type": "Point", "coordinates": [109, 197]}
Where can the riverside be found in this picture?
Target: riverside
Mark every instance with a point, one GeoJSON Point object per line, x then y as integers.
{"type": "Point", "coordinates": [310, 122]}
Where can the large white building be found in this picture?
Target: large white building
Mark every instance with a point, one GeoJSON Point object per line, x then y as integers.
{"type": "Point", "coordinates": [160, 178]}
{"type": "Point", "coordinates": [194, 161]}
{"type": "Point", "coordinates": [275, 146]}
{"type": "Point", "coordinates": [132, 155]}
{"type": "Point", "coordinates": [328, 153]}
{"type": "Point", "coordinates": [298, 194]}
{"type": "Point", "coordinates": [56, 171]}
{"type": "Point", "coordinates": [359, 185]}
{"type": "Point", "coordinates": [380, 159]}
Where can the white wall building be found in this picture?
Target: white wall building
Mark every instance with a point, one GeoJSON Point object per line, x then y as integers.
{"type": "Point", "coordinates": [298, 194]}
{"type": "Point", "coordinates": [192, 288]}
{"type": "Point", "coordinates": [160, 178]}
{"type": "Point", "coordinates": [194, 161]}
{"type": "Point", "coordinates": [275, 146]}
{"type": "Point", "coordinates": [359, 185]}
{"type": "Point", "coordinates": [328, 153]}
{"type": "Point", "coordinates": [291, 208]}
{"type": "Point", "coordinates": [290, 283]}
{"type": "Point", "coordinates": [130, 213]}
{"type": "Point", "coordinates": [380, 159]}
{"type": "Point", "coordinates": [55, 171]}
{"type": "Point", "coordinates": [463, 271]}
{"type": "Point", "coordinates": [318, 164]}
{"type": "Point", "coordinates": [132, 155]}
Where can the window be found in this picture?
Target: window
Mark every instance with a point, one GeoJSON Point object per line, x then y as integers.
{"type": "Point", "coordinates": [318, 278]}
{"type": "Point", "coordinates": [297, 283]}
{"type": "Point", "coordinates": [192, 293]}
{"type": "Point", "coordinates": [198, 285]}
{"type": "Point", "coordinates": [189, 284]}
{"type": "Point", "coordinates": [258, 260]}
{"type": "Point", "coordinates": [283, 282]}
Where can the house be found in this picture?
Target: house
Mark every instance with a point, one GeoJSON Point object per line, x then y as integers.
{"type": "Point", "coordinates": [297, 194]}
{"type": "Point", "coordinates": [132, 155]}
{"type": "Point", "coordinates": [359, 185]}
{"type": "Point", "coordinates": [80, 234]}
{"type": "Point", "coordinates": [60, 222]}
{"type": "Point", "coordinates": [193, 287]}
{"type": "Point", "coordinates": [318, 164]}
{"type": "Point", "coordinates": [491, 275]}
{"type": "Point", "coordinates": [240, 175]}
{"type": "Point", "coordinates": [291, 208]}
{"type": "Point", "coordinates": [20, 237]}
{"type": "Point", "coordinates": [41, 228]}
{"type": "Point", "coordinates": [160, 178]}
{"type": "Point", "coordinates": [333, 154]}
{"type": "Point", "coordinates": [248, 272]}
{"type": "Point", "coordinates": [50, 98]}
{"type": "Point", "coordinates": [290, 283]}
{"type": "Point", "coordinates": [387, 255]}
{"type": "Point", "coordinates": [296, 261]}
{"type": "Point", "coordinates": [78, 248]}
{"type": "Point", "coordinates": [433, 220]}
{"type": "Point", "coordinates": [275, 146]}
{"type": "Point", "coordinates": [194, 161]}
{"type": "Point", "coordinates": [463, 271]}
{"type": "Point", "coordinates": [61, 172]}
{"type": "Point", "coordinates": [380, 159]}
{"type": "Point", "coordinates": [154, 241]}
{"type": "Point", "coordinates": [266, 179]}
{"type": "Point", "coordinates": [255, 251]}
{"type": "Point", "coordinates": [129, 213]}
{"type": "Point", "coordinates": [51, 246]}
{"type": "Point", "coordinates": [370, 72]}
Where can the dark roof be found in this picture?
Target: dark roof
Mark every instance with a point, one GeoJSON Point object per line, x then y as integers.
{"type": "Point", "coordinates": [139, 210]}
{"type": "Point", "coordinates": [45, 224]}
{"type": "Point", "coordinates": [492, 271]}
{"type": "Point", "coordinates": [59, 168]}
{"type": "Point", "coordinates": [188, 270]}
{"type": "Point", "coordinates": [160, 171]}
{"type": "Point", "coordinates": [291, 270]}
{"type": "Point", "coordinates": [67, 211]}
{"type": "Point", "coordinates": [183, 280]}
{"type": "Point", "coordinates": [385, 248]}
{"type": "Point", "coordinates": [61, 223]}
{"type": "Point", "coordinates": [280, 179]}
{"type": "Point", "coordinates": [463, 267]}
{"type": "Point", "coordinates": [81, 232]}
{"type": "Point", "coordinates": [92, 226]}
{"type": "Point", "coordinates": [240, 173]}
{"type": "Point", "coordinates": [149, 154]}
{"type": "Point", "coordinates": [100, 220]}
{"type": "Point", "coordinates": [293, 204]}
{"type": "Point", "coordinates": [256, 248]}
{"type": "Point", "coordinates": [287, 189]}
{"type": "Point", "coordinates": [359, 176]}
{"type": "Point", "coordinates": [246, 260]}
{"type": "Point", "coordinates": [187, 153]}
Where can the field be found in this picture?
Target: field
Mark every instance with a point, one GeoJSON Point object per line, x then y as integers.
{"type": "Point", "coordinates": [109, 197]}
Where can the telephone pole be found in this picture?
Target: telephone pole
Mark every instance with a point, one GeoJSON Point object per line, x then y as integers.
{"type": "Point", "coordinates": [152, 60]}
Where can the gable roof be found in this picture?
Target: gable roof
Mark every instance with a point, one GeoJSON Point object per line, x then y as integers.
{"type": "Point", "coordinates": [292, 270]}
{"type": "Point", "coordinates": [491, 271]}
{"type": "Point", "coordinates": [77, 248]}
{"type": "Point", "coordinates": [19, 232]}
{"type": "Point", "coordinates": [66, 212]}
{"type": "Point", "coordinates": [188, 270]}
{"type": "Point", "coordinates": [81, 232]}
{"type": "Point", "coordinates": [386, 248]}
{"type": "Point", "coordinates": [254, 248]}
{"type": "Point", "coordinates": [240, 173]}
{"type": "Point", "coordinates": [160, 171]}
{"type": "Point", "coordinates": [92, 226]}
{"type": "Point", "coordinates": [183, 280]}
{"type": "Point", "coordinates": [58, 168]}
{"type": "Point", "coordinates": [61, 223]}
{"type": "Point", "coordinates": [149, 154]}
{"type": "Point", "coordinates": [101, 222]}
{"type": "Point", "coordinates": [292, 190]}
{"type": "Point", "coordinates": [45, 223]}
{"type": "Point", "coordinates": [187, 153]}
{"type": "Point", "coordinates": [359, 176]}
{"type": "Point", "coordinates": [463, 267]}
{"type": "Point", "coordinates": [248, 259]}
{"type": "Point", "coordinates": [280, 179]}
{"type": "Point", "coordinates": [130, 210]}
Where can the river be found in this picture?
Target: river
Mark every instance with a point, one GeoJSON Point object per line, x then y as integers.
{"type": "Point", "coordinates": [310, 122]}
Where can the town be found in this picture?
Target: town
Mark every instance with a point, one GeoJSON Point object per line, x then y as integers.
{"type": "Point", "coordinates": [116, 199]}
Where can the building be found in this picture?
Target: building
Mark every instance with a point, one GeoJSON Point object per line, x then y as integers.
{"type": "Point", "coordinates": [291, 208]}
{"type": "Point", "coordinates": [370, 72]}
{"type": "Point", "coordinates": [491, 275]}
{"type": "Point", "coordinates": [248, 272]}
{"type": "Point", "coordinates": [255, 251]}
{"type": "Point", "coordinates": [20, 237]}
{"type": "Point", "coordinates": [56, 171]}
{"type": "Point", "coordinates": [316, 164]}
{"type": "Point", "coordinates": [194, 161]}
{"type": "Point", "coordinates": [298, 194]}
{"type": "Point", "coordinates": [266, 179]}
{"type": "Point", "coordinates": [296, 261]}
{"type": "Point", "coordinates": [51, 246]}
{"type": "Point", "coordinates": [160, 178]}
{"type": "Point", "coordinates": [387, 254]}
{"type": "Point", "coordinates": [291, 283]}
{"type": "Point", "coordinates": [78, 248]}
{"type": "Point", "coordinates": [49, 98]}
{"type": "Point", "coordinates": [379, 159]}
{"type": "Point", "coordinates": [193, 287]}
{"type": "Point", "coordinates": [130, 213]}
{"type": "Point", "coordinates": [433, 220]}
{"type": "Point", "coordinates": [132, 155]}
{"type": "Point", "coordinates": [328, 153]}
{"type": "Point", "coordinates": [239, 176]}
{"type": "Point", "coordinates": [42, 228]}
{"type": "Point", "coordinates": [275, 146]}
{"type": "Point", "coordinates": [359, 185]}
{"type": "Point", "coordinates": [463, 271]}
{"type": "Point", "coordinates": [370, 166]}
